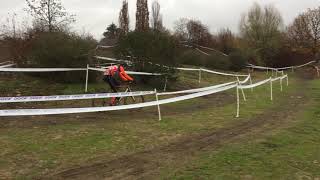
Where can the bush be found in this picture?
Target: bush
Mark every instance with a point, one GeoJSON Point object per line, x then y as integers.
{"type": "Point", "coordinates": [238, 61]}
{"type": "Point", "coordinates": [218, 62]}
{"type": "Point", "coordinates": [191, 57]}
{"type": "Point", "coordinates": [60, 50]}
{"type": "Point", "coordinates": [153, 46]}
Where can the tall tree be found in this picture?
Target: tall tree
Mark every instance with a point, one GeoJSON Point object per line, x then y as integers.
{"type": "Point", "coordinates": [142, 16]}
{"type": "Point", "coordinates": [124, 18]}
{"type": "Point", "coordinates": [112, 32]}
{"type": "Point", "coordinates": [261, 29]}
{"type": "Point", "coordinates": [50, 13]}
{"type": "Point", "coordinates": [193, 31]}
{"type": "Point", "coordinates": [305, 30]}
{"type": "Point", "coordinates": [156, 21]}
{"type": "Point", "coordinates": [226, 41]}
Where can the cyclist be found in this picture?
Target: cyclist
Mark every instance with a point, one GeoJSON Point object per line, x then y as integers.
{"type": "Point", "coordinates": [114, 76]}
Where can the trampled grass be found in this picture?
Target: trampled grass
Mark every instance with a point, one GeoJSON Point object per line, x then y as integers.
{"type": "Point", "coordinates": [289, 153]}
{"type": "Point", "coordinates": [34, 146]}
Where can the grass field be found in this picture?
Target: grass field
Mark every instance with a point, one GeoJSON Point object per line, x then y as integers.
{"type": "Point", "coordinates": [197, 139]}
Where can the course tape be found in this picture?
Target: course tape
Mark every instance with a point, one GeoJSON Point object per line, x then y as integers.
{"type": "Point", "coordinates": [128, 72]}
{"type": "Point", "coordinates": [254, 85]}
{"type": "Point", "coordinates": [283, 68]}
{"type": "Point", "coordinates": [197, 90]}
{"type": "Point", "coordinates": [111, 59]}
{"type": "Point", "coordinates": [6, 66]}
{"type": "Point", "coordinates": [261, 82]}
{"type": "Point", "coordinates": [183, 69]}
{"type": "Point", "coordinates": [40, 69]}
{"type": "Point", "coordinates": [72, 97]}
{"type": "Point", "coordinates": [6, 62]}
{"type": "Point", "coordinates": [224, 74]}
{"type": "Point", "coordinates": [36, 112]}
{"type": "Point", "coordinates": [205, 88]}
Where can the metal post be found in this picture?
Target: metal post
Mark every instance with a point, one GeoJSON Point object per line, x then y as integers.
{"type": "Point", "coordinates": [159, 110]}
{"type": "Point", "coordinates": [87, 78]}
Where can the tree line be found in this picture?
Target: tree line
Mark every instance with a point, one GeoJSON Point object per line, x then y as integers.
{"type": "Point", "coordinates": [262, 39]}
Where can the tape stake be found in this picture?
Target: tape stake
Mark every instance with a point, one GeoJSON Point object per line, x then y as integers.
{"type": "Point", "coordinates": [159, 110]}
{"type": "Point", "coordinates": [165, 84]}
{"type": "Point", "coordinates": [200, 76]}
{"type": "Point", "coordinates": [281, 88]}
{"type": "Point", "coordinates": [271, 93]}
{"type": "Point", "coordinates": [238, 103]}
{"type": "Point", "coordinates": [87, 78]}
{"type": "Point", "coordinates": [242, 91]}
{"type": "Point", "coordinates": [251, 82]}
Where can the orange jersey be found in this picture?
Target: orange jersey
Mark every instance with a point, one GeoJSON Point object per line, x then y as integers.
{"type": "Point", "coordinates": [118, 71]}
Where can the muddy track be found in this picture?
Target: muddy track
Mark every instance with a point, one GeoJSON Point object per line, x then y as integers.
{"type": "Point", "coordinates": [147, 164]}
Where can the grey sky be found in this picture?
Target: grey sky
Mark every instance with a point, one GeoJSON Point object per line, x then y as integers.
{"type": "Point", "coordinates": [93, 16]}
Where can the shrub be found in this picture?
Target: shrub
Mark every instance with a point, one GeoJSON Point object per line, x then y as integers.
{"type": "Point", "coordinates": [218, 62]}
{"type": "Point", "coordinates": [60, 50]}
{"type": "Point", "coordinates": [153, 46]}
{"type": "Point", "coordinates": [238, 61]}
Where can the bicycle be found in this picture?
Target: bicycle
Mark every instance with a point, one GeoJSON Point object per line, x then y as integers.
{"type": "Point", "coordinates": [124, 100]}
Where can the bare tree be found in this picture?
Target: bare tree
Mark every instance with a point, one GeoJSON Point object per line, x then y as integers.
{"type": "Point", "coordinates": [305, 30]}
{"type": "Point", "coordinates": [142, 16]}
{"type": "Point", "coordinates": [226, 41]}
{"type": "Point", "coordinates": [198, 33]}
{"type": "Point", "coordinates": [124, 18]}
{"type": "Point", "coordinates": [50, 13]}
{"type": "Point", "coordinates": [261, 29]}
{"type": "Point", "coordinates": [156, 21]}
{"type": "Point", "coordinates": [193, 32]}
{"type": "Point", "coordinates": [180, 29]}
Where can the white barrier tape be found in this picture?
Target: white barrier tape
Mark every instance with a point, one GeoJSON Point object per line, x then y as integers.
{"type": "Point", "coordinates": [183, 69]}
{"type": "Point", "coordinates": [187, 69]}
{"type": "Point", "coordinates": [305, 64]}
{"type": "Point", "coordinates": [224, 74]}
{"type": "Point", "coordinates": [283, 68]}
{"type": "Point", "coordinates": [6, 66]}
{"type": "Point", "coordinates": [202, 52]}
{"type": "Point", "coordinates": [246, 80]}
{"type": "Point", "coordinates": [260, 67]}
{"type": "Point", "coordinates": [111, 59]}
{"type": "Point", "coordinates": [36, 112]}
{"type": "Point", "coordinates": [254, 85]}
{"type": "Point", "coordinates": [196, 90]}
{"type": "Point", "coordinates": [106, 47]}
{"type": "Point", "coordinates": [128, 72]}
{"type": "Point", "coordinates": [40, 69]}
{"type": "Point", "coordinates": [72, 97]}
{"type": "Point", "coordinates": [276, 79]}
{"type": "Point", "coordinates": [6, 62]}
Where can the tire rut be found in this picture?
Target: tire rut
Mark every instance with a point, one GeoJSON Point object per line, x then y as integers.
{"type": "Point", "coordinates": [147, 164]}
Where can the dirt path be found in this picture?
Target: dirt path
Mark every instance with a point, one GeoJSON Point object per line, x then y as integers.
{"type": "Point", "coordinates": [147, 164]}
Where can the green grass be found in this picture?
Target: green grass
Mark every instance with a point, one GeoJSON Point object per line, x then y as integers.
{"type": "Point", "coordinates": [291, 153]}
{"type": "Point", "coordinates": [29, 149]}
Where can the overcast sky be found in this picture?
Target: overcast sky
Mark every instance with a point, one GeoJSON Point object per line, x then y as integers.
{"type": "Point", "coordinates": [93, 16]}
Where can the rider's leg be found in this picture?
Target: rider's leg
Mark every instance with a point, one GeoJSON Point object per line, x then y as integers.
{"type": "Point", "coordinates": [113, 85]}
